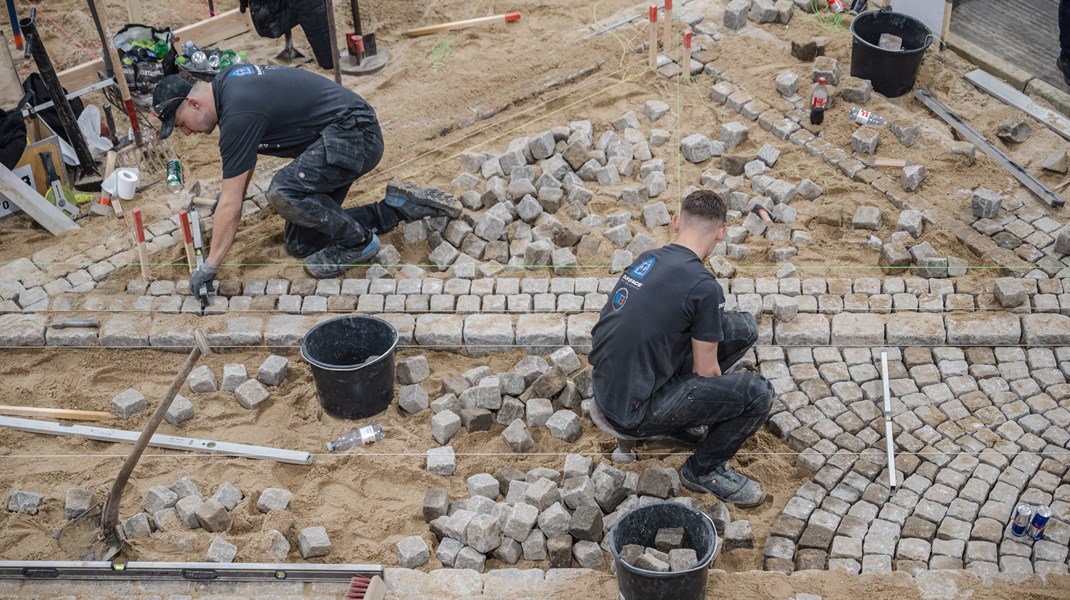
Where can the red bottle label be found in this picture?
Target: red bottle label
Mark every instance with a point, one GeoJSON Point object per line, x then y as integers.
{"type": "Point", "coordinates": [821, 103]}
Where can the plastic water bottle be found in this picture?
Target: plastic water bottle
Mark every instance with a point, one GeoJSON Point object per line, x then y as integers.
{"type": "Point", "coordinates": [819, 101]}
{"type": "Point", "coordinates": [864, 117]}
{"type": "Point", "coordinates": [200, 61]}
{"type": "Point", "coordinates": [243, 58]}
{"type": "Point", "coordinates": [213, 61]}
{"type": "Point", "coordinates": [836, 6]}
{"type": "Point", "coordinates": [365, 436]}
{"type": "Point", "coordinates": [190, 48]}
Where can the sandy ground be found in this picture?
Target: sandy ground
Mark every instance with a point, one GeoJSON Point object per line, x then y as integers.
{"type": "Point", "coordinates": [370, 498]}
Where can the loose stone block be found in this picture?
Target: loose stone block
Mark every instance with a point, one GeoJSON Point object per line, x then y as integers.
{"type": "Point", "coordinates": [412, 552]}
{"type": "Point", "coordinates": [137, 526]}
{"type": "Point", "coordinates": [233, 376]}
{"type": "Point", "coordinates": [787, 83]}
{"type": "Point", "coordinates": [985, 203]}
{"type": "Point", "coordinates": [180, 411]}
{"type": "Point", "coordinates": [911, 222]}
{"type": "Point", "coordinates": [867, 217]}
{"type": "Point", "coordinates": [444, 425]}
{"type": "Point", "coordinates": [413, 398]}
{"type": "Point", "coordinates": [1057, 162]}
{"type": "Point", "coordinates": [158, 498]}
{"type": "Point", "coordinates": [827, 67]}
{"type": "Point", "coordinates": [484, 533]}
{"type": "Point", "coordinates": [201, 379]}
{"type": "Point", "coordinates": [436, 504]}
{"type": "Point", "coordinates": [696, 148]}
{"type": "Point", "coordinates": [213, 516]}
{"type": "Point", "coordinates": [738, 534]}
{"type": "Point", "coordinates": [128, 403]}
{"type": "Point", "coordinates": [413, 370]}
{"type": "Point", "coordinates": [250, 394]}
{"type": "Point", "coordinates": [588, 555]}
{"type": "Point", "coordinates": [669, 538]}
{"type": "Point", "coordinates": [586, 523]}
{"type": "Point", "coordinates": [227, 495]}
{"type": "Point", "coordinates": [313, 542]}
{"type": "Point", "coordinates": [735, 14]}
{"type": "Point", "coordinates": [913, 176]}
{"type": "Point", "coordinates": [733, 134]}
{"type": "Point", "coordinates": [856, 90]}
{"type": "Point", "coordinates": [865, 140]}
{"type": "Point", "coordinates": [220, 551]}
{"type": "Point", "coordinates": [907, 134]}
{"type": "Point", "coordinates": [483, 484]}
{"type": "Point", "coordinates": [78, 501]}
{"type": "Point", "coordinates": [274, 499]}
{"type": "Point", "coordinates": [1013, 131]}
{"type": "Point", "coordinates": [516, 436]}
{"type": "Point", "coordinates": [565, 425]}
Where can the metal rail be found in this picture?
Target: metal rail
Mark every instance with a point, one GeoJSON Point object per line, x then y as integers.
{"type": "Point", "coordinates": [34, 570]}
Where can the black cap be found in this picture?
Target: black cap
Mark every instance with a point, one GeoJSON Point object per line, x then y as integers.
{"type": "Point", "coordinates": [166, 99]}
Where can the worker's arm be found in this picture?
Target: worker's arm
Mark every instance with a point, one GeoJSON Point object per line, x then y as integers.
{"type": "Point", "coordinates": [227, 216]}
{"type": "Point", "coordinates": [704, 359]}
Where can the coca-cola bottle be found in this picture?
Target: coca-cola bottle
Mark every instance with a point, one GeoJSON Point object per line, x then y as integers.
{"type": "Point", "coordinates": [819, 101]}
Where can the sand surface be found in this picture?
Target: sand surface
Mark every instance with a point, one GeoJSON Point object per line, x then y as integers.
{"type": "Point", "coordinates": [370, 498]}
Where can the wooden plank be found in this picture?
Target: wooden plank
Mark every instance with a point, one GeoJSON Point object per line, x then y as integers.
{"type": "Point", "coordinates": [204, 33]}
{"type": "Point", "coordinates": [1001, 90]}
{"type": "Point", "coordinates": [171, 442]}
{"type": "Point", "coordinates": [1024, 177]}
{"type": "Point", "coordinates": [25, 197]}
{"type": "Point", "coordinates": [10, 86]}
{"type": "Point", "coordinates": [55, 413]}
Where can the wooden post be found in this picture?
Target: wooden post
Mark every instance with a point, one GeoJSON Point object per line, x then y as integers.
{"type": "Point", "coordinates": [653, 36]}
{"type": "Point", "coordinates": [187, 238]}
{"type": "Point", "coordinates": [666, 37]}
{"type": "Point", "coordinates": [685, 61]}
{"type": "Point", "coordinates": [142, 250]}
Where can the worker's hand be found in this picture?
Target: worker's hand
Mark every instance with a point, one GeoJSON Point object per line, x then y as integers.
{"type": "Point", "coordinates": [204, 274]}
{"type": "Point", "coordinates": [715, 370]}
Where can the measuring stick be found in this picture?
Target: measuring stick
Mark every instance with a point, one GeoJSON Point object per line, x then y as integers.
{"type": "Point", "coordinates": [428, 30]}
{"type": "Point", "coordinates": [187, 238]}
{"type": "Point", "coordinates": [653, 36]}
{"type": "Point", "coordinates": [685, 62]}
{"type": "Point", "coordinates": [667, 36]}
{"type": "Point", "coordinates": [888, 420]}
{"type": "Point", "coordinates": [139, 235]}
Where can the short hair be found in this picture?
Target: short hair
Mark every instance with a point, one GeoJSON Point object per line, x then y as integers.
{"type": "Point", "coordinates": [706, 205]}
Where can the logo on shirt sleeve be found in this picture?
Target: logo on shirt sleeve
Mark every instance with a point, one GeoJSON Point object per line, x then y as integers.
{"type": "Point", "coordinates": [241, 72]}
{"type": "Point", "coordinates": [620, 297]}
{"type": "Point", "coordinates": [640, 271]}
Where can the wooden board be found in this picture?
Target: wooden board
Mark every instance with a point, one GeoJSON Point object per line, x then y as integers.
{"type": "Point", "coordinates": [10, 86]}
{"type": "Point", "coordinates": [172, 442]}
{"type": "Point", "coordinates": [204, 33]}
{"type": "Point", "coordinates": [1005, 92]}
{"type": "Point", "coordinates": [25, 197]}
{"type": "Point", "coordinates": [55, 413]}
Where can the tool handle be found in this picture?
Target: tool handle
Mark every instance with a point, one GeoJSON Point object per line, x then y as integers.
{"type": "Point", "coordinates": [76, 323]}
{"type": "Point", "coordinates": [50, 168]}
{"type": "Point", "coordinates": [120, 80]}
{"type": "Point", "coordinates": [111, 504]}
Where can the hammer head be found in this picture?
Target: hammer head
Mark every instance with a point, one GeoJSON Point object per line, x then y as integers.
{"type": "Point", "coordinates": [191, 192]}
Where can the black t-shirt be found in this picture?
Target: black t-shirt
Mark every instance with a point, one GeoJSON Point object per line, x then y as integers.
{"type": "Point", "coordinates": [277, 111]}
{"type": "Point", "coordinates": [663, 300]}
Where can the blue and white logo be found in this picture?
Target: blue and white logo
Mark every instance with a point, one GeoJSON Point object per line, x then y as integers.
{"type": "Point", "coordinates": [620, 297]}
{"type": "Point", "coordinates": [643, 268]}
{"type": "Point", "coordinates": [241, 72]}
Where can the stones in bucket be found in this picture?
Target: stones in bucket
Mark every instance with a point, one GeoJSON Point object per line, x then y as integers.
{"type": "Point", "coordinates": [669, 555]}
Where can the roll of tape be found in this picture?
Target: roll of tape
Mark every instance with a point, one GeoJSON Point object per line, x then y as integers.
{"type": "Point", "coordinates": [126, 183]}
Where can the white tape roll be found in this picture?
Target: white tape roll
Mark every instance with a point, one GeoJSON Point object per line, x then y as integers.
{"type": "Point", "coordinates": [126, 184]}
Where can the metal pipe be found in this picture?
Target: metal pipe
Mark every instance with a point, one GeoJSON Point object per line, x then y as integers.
{"type": "Point", "coordinates": [355, 6]}
{"type": "Point", "coordinates": [109, 69]}
{"type": "Point", "coordinates": [11, 14]}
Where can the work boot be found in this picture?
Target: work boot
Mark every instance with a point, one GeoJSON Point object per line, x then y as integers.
{"type": "Point", "coordinates": [724, 483]}
{"type": "Point", "coordinates": [412, 202]}
{"type": "Point", "coordinates": [335, 260]}
{"type": "Point", "coordinates": [1064, 67]}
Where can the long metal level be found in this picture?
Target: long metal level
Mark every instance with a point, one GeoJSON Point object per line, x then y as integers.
{"type": "Point", "coordinates": [183, 571]}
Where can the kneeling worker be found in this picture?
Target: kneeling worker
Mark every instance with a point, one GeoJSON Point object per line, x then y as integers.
{"type": "Point", "coordinates": [334, 138]}
{"type": "Point", "coordinates": [662, 354]}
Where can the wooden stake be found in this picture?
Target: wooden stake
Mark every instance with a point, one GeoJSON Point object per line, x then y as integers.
{"type": "Point", "coordinates": [653, 36]}
{"type": "Point", "coordinates": [685, 61]}
{"type": "Point", "coordinates": [666, 38]}
{"type": "Point", "coordinates": [187, 238]}
{"type": "Point", "coordinates": [503, 18]}
{"type": "Point", "coordinates": [142, 250]}
{"type": "Point", "coordinates": [55, 413]}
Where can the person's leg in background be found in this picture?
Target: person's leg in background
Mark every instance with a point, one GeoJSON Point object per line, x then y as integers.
{"type": "Point", "coordinates": [1064, 39]}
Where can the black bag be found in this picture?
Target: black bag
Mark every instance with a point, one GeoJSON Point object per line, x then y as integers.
{"type": "Point", "coordinates": [37, 94]}
{"type": "Point", "coordinates": [12, 138]}
{"type": "Point", "coordinates": [143, 75]}
{"type": "Point", "coordinates": [271, 18]}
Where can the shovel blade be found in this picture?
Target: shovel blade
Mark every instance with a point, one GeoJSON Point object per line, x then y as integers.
{"type": "Point", "coordinates": [85, 539]}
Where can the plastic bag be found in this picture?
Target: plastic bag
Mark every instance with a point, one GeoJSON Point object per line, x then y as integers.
{"type": "Point", "coordinates": [89, 125]}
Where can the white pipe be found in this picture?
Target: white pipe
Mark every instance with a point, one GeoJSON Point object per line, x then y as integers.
{"type": "Point", "coordinates": [888, 420]}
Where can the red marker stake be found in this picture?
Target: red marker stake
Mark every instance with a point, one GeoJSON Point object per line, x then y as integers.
{"type": "Point", "coordinates": [653, 36]}
{"type": "Point", "coordinates": [667, 37]}
{"type": "Point", "coordinates": [685, 62]}
{"type": "Point", "coordinates": [187, 238]}
{"type": "Point", "coordinates": [142, 250]}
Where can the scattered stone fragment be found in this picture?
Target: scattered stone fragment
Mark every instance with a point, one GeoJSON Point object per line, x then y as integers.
{"type": "Point", "coordinates": [413, 398]}
{"type": "Point", "coordinates": [655, 109]}
{"type": "Point", "coordinates": [233, 376]}
{"type": "Point", "coordinates": [867, 217]}
{"type": "Point", "coordinates": [128, 403]}
{"type": "Point", "coordinates": [912, 177]}
{"type": "Point", "coordinates": [565, 425]}
{"type": "Point", "coordinates": [413, 552]}
{"type": "Point", "coordinates": [180, 411]}
{"type": "Point", "coordinates": [23, 501]}
{"type": "Point", "coordinates": [1013, 131]}
{"type": "Point", "coordinates": [735, 14]}
{"type": "Point", "coordinates": [654, 482]}
{"type": "Point", "coordinates": [856, 90]}
{"type": "Point", "coordinates": [787, 83]}
{"type": "Point", "coordinates": [1057, 162]}
{"type": "Point", "coordinates": [966, 150]}
{"type": "Point", "coordinates": [985, 203]}
{"type": "Point", "coordinates": [158, 498]}
{"type": "Point", "coordinates": [227, 495]}
{"type": "Point", "coordinates": [220, 551]}
{"type": "Point", "coordinates": [865, 140]}
{"type": "Point", "coordinates": [78, 501]}
{"type": "Point", "coordinates": [559, 550]}
{"type": "Point", "coordinates": [906, 134]}
{"type": "Point", "coordinates": [250, 394]}
{"type": "Point", "coordinates": [911, 222]}
{"type": "Point", "coordinates": [517, 437]}
{"type": "Point", "coordinates": [588, 554]}
{"type": "Point", "coordinates": [444, 426]}
{"type": "Point", "coordinates": [413, 369]}
{"type": "Point", "coordinates": [274, 499]}
{"type": "Point", "coordinates": [273, 370]}
{"type": "Point", "coordinates": [186, 509]}
{"type": "Point", "coordinates": [827, 67]}
{"type": "Point", "coordinates": [738, 534]}
{"type": "Point", "coordinates": [202, 379]}
{"type": "Point", "coordinates": [733, 134]}
{"type": "Point", "coordinates": [137, 526]}
{"type": "Point", "coordinates": [313, 542]}
{"type": "Point", "coordinates": [213, 516]}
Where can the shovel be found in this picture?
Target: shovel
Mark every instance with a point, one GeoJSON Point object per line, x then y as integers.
{"type": "Point", "coordinates": [95, 534]}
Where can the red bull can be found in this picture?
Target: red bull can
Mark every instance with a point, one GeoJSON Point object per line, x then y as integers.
{"type": "Point", "coordinates": [1040, 521]}
{"type": "Point", "coordinates": [1020, 523]}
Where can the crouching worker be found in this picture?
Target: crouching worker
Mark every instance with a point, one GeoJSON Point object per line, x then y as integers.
{"type": "Point", "coordinates": [334, 138]}
{"type": "Point", "coordinates": [663, 352]}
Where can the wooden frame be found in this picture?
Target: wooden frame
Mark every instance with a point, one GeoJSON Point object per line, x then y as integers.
{"type": "Point", "coordinates": [205, 33]}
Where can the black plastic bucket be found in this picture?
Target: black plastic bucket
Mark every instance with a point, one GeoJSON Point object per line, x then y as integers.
{"type": "Point", "coordinates": [640, 526]}
{"type": "Point", "coordinates": [892, 72]}
{"type": "Point", "coordinates": [352, 359]}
